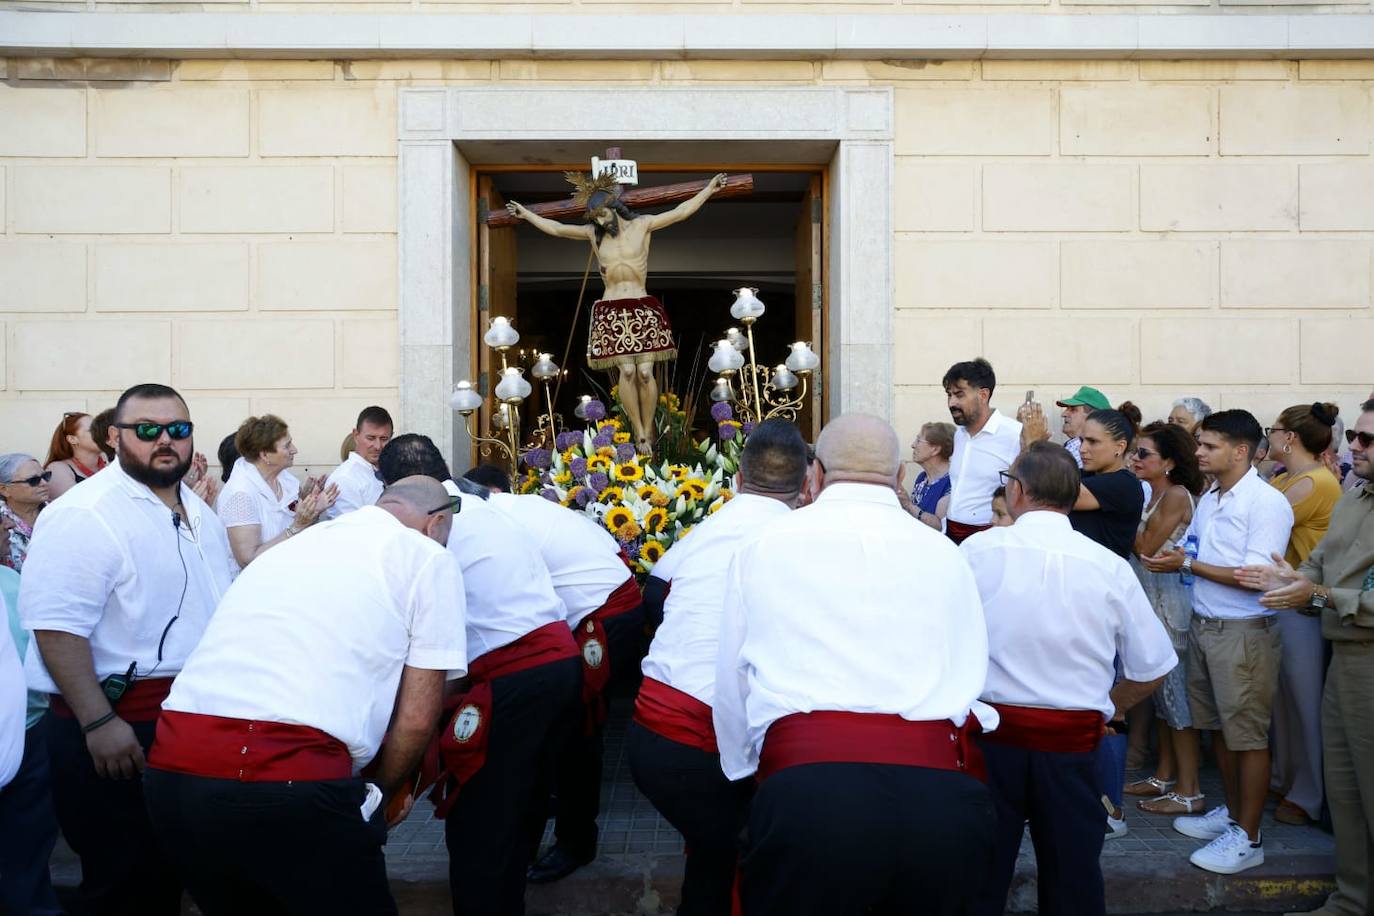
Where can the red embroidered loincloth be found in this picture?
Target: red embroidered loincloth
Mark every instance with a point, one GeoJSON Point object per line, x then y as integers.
{"type": "Point", "coordinates": [633, 330]}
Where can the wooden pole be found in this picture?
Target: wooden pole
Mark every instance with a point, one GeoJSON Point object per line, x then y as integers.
{"type": "Point", "coordinates": [735, 185]}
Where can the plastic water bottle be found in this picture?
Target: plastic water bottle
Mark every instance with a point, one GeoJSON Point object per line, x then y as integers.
{"type": "Point", "coordinates": [1190, 548]}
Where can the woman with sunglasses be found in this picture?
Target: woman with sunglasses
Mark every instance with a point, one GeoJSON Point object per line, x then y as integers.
{"type": "Point", "coordinates": [1297, 440]}
{"type": "Point", "coordinates": [1166, 459]}
{"type": "Point", "coordinates": [24, 488]}
{"type": "Point", "coordinates": [73, 454]}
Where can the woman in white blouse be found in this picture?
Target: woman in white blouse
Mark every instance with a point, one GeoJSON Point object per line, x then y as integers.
{"type": "Point", "coordinates": [263, 504]}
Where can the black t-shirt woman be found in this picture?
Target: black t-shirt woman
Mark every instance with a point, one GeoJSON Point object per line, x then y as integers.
{"type": "Point", "coordinates": [1110, 498]}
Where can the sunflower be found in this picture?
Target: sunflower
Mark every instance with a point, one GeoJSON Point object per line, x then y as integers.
{"type": "Point", "coordinates": [599, 463]}
{"type": "Point", "coordinates": [652, 551]}
{"type": "Point", "coordinates": [606, 451]}
{"type": "Point", "coordinates": [659, 499]}
{"type": "Point", "coordinates": [646, 491]}
{"type": "Point", "coordinates": [611, 495]}
{"type": "Point", "coordinates": [563, 478]}
{"type": "Point", "coordinates": [629, 472]}
{"type": "Point", "coordinates": [692, 488]}
{"type": "Point", "coordinates": [678, 472]}
{"type": "Point", "coordinates": [618, 518]}
{"type": "Point", "coordinates": [655, 519]}
{"type": "Point", "coordinates": [620, 438]}
{"type": "Point", "coordinates": [628, 531]}
{"type": "Point", "coordinates": [612, 422]}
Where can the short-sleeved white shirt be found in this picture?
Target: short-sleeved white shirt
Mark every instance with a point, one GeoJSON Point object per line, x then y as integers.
{"type": "Point", "coordinates": [358, 485]}
{"type": "Point", "coordinates": [1060, 608]}
{"type": "Point", "coordinates": [1244, 526]}
{"type": "Point", "coordinates": [13, 704]}
{"type": "Point", "coordinates": [974, 467]}
{"type": "Point", "coordinates": [247, 499]}
{"type": "Point", "coordinates": [582, 558]}
{"type": "Point", "coordinates": [316, 631]}
{"type": "Point", "coordinates": [108, 564]}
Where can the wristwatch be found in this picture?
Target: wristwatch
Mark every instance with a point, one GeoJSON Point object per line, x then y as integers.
{"type": "Point", "coordinates": [1319, 600]}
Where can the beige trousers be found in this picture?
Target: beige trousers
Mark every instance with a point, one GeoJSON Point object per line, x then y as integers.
{"type": "Point", "coordinates": [1348, 745]}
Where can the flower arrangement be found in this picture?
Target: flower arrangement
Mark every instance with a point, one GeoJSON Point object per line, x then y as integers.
{"type": "Point", "coordinates": [647, 507]}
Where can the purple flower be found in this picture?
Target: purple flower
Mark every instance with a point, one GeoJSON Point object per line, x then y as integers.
{"type": "Point", "coordinates": [748, 427]}
{"type": "Point", "coordinates": [595, 410]}
{"type": "Point", "coordinates": [631, 549]}
{"type": "Point", "coordinates": [625, 451]}
{"type": "Point", "coordinates": [599, 481]}
{"type": "Point", "coordinates": [721, 411]}
{"type": "Point", "coordinates": [726, 432]}
{"type": "Point", "coordinates": [567, 440]}
{"type": "Point", "coordinates": [604, 438]}
{"type": "Point", "coordinates": [578, 466]}
{"type": "Point", "coordinates": [583, 496]}
{"type": "Point", "coordinates": [538, 458]}
{"type": "Point", "coordinates": [549, 494]}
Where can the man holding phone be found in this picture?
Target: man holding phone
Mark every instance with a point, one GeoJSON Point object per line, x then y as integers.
{"type": "Point", "coordinates": [985, 443]}
{"type": "Point", "coordinates": [121, 578]}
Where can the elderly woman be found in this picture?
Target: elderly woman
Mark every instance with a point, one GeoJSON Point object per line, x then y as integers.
{"type": "Point", "coordinates": [1189, 413]}
{"type": "Point", "coordinates": [24, 489]}
{"type": "Point", "coordinates": [73, 454]}
{"type": "Point", "coordinates": [931, 449]}
{"type": "Point", "coordinates": [263, 504]}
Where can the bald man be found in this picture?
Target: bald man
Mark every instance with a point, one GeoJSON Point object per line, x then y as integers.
{"type": "Point", "coordinates": [852, 653]}
{"type": "Point", "coordinates": [326, 638]}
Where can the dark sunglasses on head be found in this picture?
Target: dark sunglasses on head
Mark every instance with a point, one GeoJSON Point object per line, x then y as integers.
{"type": "Point", "coordinates": [151, 432]}
{"type": "Point", "coordinates": [454, 502]}
{"type": "Point", "coordinates": [1366, 439]}
{"type": "Point", "coordinates": [36, 479]}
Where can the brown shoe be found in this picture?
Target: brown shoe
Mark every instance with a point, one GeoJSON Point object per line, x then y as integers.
{"type": "Point", "coordinates": [1174, 804]}
{"type": "Point", "coordinates": [1289, 813]}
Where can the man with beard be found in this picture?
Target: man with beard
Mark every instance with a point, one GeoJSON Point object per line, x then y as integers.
{"type": "Point", "coordinates": [357, 479]}
{"type": "Point", "coordinates": [120, 582]}
{"type": "Point", "coordinates": [985, 444]}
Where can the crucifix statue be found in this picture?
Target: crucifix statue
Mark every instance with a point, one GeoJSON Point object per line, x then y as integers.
{"type": "Point", "coordinates": [629, 328]}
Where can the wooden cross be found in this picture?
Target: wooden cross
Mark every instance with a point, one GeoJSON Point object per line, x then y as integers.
{"type": "Point", "coordinates": [735, 185]}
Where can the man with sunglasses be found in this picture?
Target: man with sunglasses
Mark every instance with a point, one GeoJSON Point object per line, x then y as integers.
{"type": "Point", "coordinates": [121, 579]}
{"type": "Point", "coordinates": [1337, 582]}
{"type": "Point", "coordinates": [332, 639]}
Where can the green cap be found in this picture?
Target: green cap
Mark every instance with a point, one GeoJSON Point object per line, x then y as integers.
{"type": "Point", "coordinates": [1087, 397]}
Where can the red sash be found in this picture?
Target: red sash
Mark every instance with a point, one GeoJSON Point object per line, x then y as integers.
{"type": "Point", "coordinates": [1061, 731]}
{"type": "Point", "coordinates": [675, 715]}
{"type": "Point", "coordinates": [590, 636]}
{"type": "Point", "coordinates": [849, 737]}
{"type": "Point", "coordinates": [958, 532]}
{"type": "Point", "coordinates": [142, 702]}
{"type": "Point", "coordinates": [223, 748]}
{"type": "Point", "coordinates": [459, 750]}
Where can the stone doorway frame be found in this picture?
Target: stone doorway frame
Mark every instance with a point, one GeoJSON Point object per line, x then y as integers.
{"type": "Point", "coordinates": [436, 248]}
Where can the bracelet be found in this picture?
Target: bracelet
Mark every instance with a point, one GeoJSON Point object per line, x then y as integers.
{"type": "Point", "coordinates": [87, 729]}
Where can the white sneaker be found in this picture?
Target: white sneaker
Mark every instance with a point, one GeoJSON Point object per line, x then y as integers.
{"type": "Point", "coordinates": [1230, 853]}
{"type": "Point", "coordinates": [1116, 827]}
{"type": "Point", "coordinates": [1207, 826]}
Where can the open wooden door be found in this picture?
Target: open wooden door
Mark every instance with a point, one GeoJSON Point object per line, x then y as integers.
{"type": "Point", "coordinates": [810, 296]}
{"type": "Point", "coordinates": [495, 285]}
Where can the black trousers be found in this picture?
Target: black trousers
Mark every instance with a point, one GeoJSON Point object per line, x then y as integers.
{"type": "Point", "coordinates": [272, 847]}
{"type": "Point", "coordinates": [492, 830]}
{"type": "Point", "coordinates": [28, 832]}
{"type": "Point", "coordinates": [689, 789]}
{"type": "Point", "coordinates": [105, 821]}
{"type": "Point", "coordinates": [1059, 795]}
{"type": "Point", "coordinates": [860, 839]}
{"type": "Point", "coordinates": [577, 780]}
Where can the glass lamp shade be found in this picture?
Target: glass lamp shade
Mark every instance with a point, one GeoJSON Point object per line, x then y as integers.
{"type": "Point", "coordinates": [501, 333]}
{"type": "Point", "coordinates": [783, 379]}
{"type": "Point", "coordinates": [737, 339]}
{"type": "Point", "coordinates": [512, 389]}
{"type": "Point", "coordinates": [465, 398]}
{"type": "Point", "coordinates": [580, 411]}
{"type": "Point", "coordinates": [545, 368]}
{"type": "Point", "coordinates": [500, 417]}
{"type": "Point", "coordinates": [725, 358]}
{"type": "Point", "coordinates": [802, 358]}
{"type": "Point", "coordinates": [721, 391]}
{"type": "Point", "coordinates": [747, 305]}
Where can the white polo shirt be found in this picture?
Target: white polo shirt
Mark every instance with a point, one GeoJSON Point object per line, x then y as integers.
{"type": "Point", "coordinates": [13, 705]}
{"type": "Point", "coordinates": [975, 465]}
{"type": "Point", "coordinates": [1060, 608]}
{"type": "Point", "coordinates": [317, 630]}
{"type": "Point", "coordinates": [582, 558]}
{"type": "Point", "coordinates": [685, 648]}
{"type": "Point", "coordinates": [847, 604]}
{"type": "Point", "coordinates": [1243, 526]}
{"type": "Point", "coordinates": [247, 499]}
{"type": "Point", "coordinates": [358, 485]}
{"type": "Point", "coordinates": [106, 563]}
{"type": "Point", "coordinates": [508, 588]}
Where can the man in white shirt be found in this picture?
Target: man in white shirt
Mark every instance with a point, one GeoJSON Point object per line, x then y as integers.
{"type": "Point", "coordinates": [501, 725]}
{"type": "Point", "coordinates": [1059, 608]}
{"type": "Point", "coordinates": [671, 744]}
{"type": "Point", "coordinates": [357, 479]}
{"type": "Point", "coordinates": [14, 701]}
{"type": "Point", "coordinates": [122, 576]}
{"type": "Point", "coordinates": [1233, 643]}
{"type": "Point", "coordinates": [323, 645]}
{"type": "Point", "coordinates": [605, 613]}
{"type": "Point", "coordinates": [852, 653]}
{"type": "Point", "coordinates": [985, 444]}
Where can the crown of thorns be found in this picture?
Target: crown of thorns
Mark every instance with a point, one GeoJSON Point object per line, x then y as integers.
{"type": "Point", "coordinates": [584, 186]}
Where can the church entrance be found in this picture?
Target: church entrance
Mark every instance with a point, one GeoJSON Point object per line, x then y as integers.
{"type": "Point", "coordinates": [771, 239]}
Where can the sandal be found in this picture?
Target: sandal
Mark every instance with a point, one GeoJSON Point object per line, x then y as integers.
{"type": "Point", "coordinates": [1173, 803]}
{"type": "Point", "coordinates": [1150, 787]}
